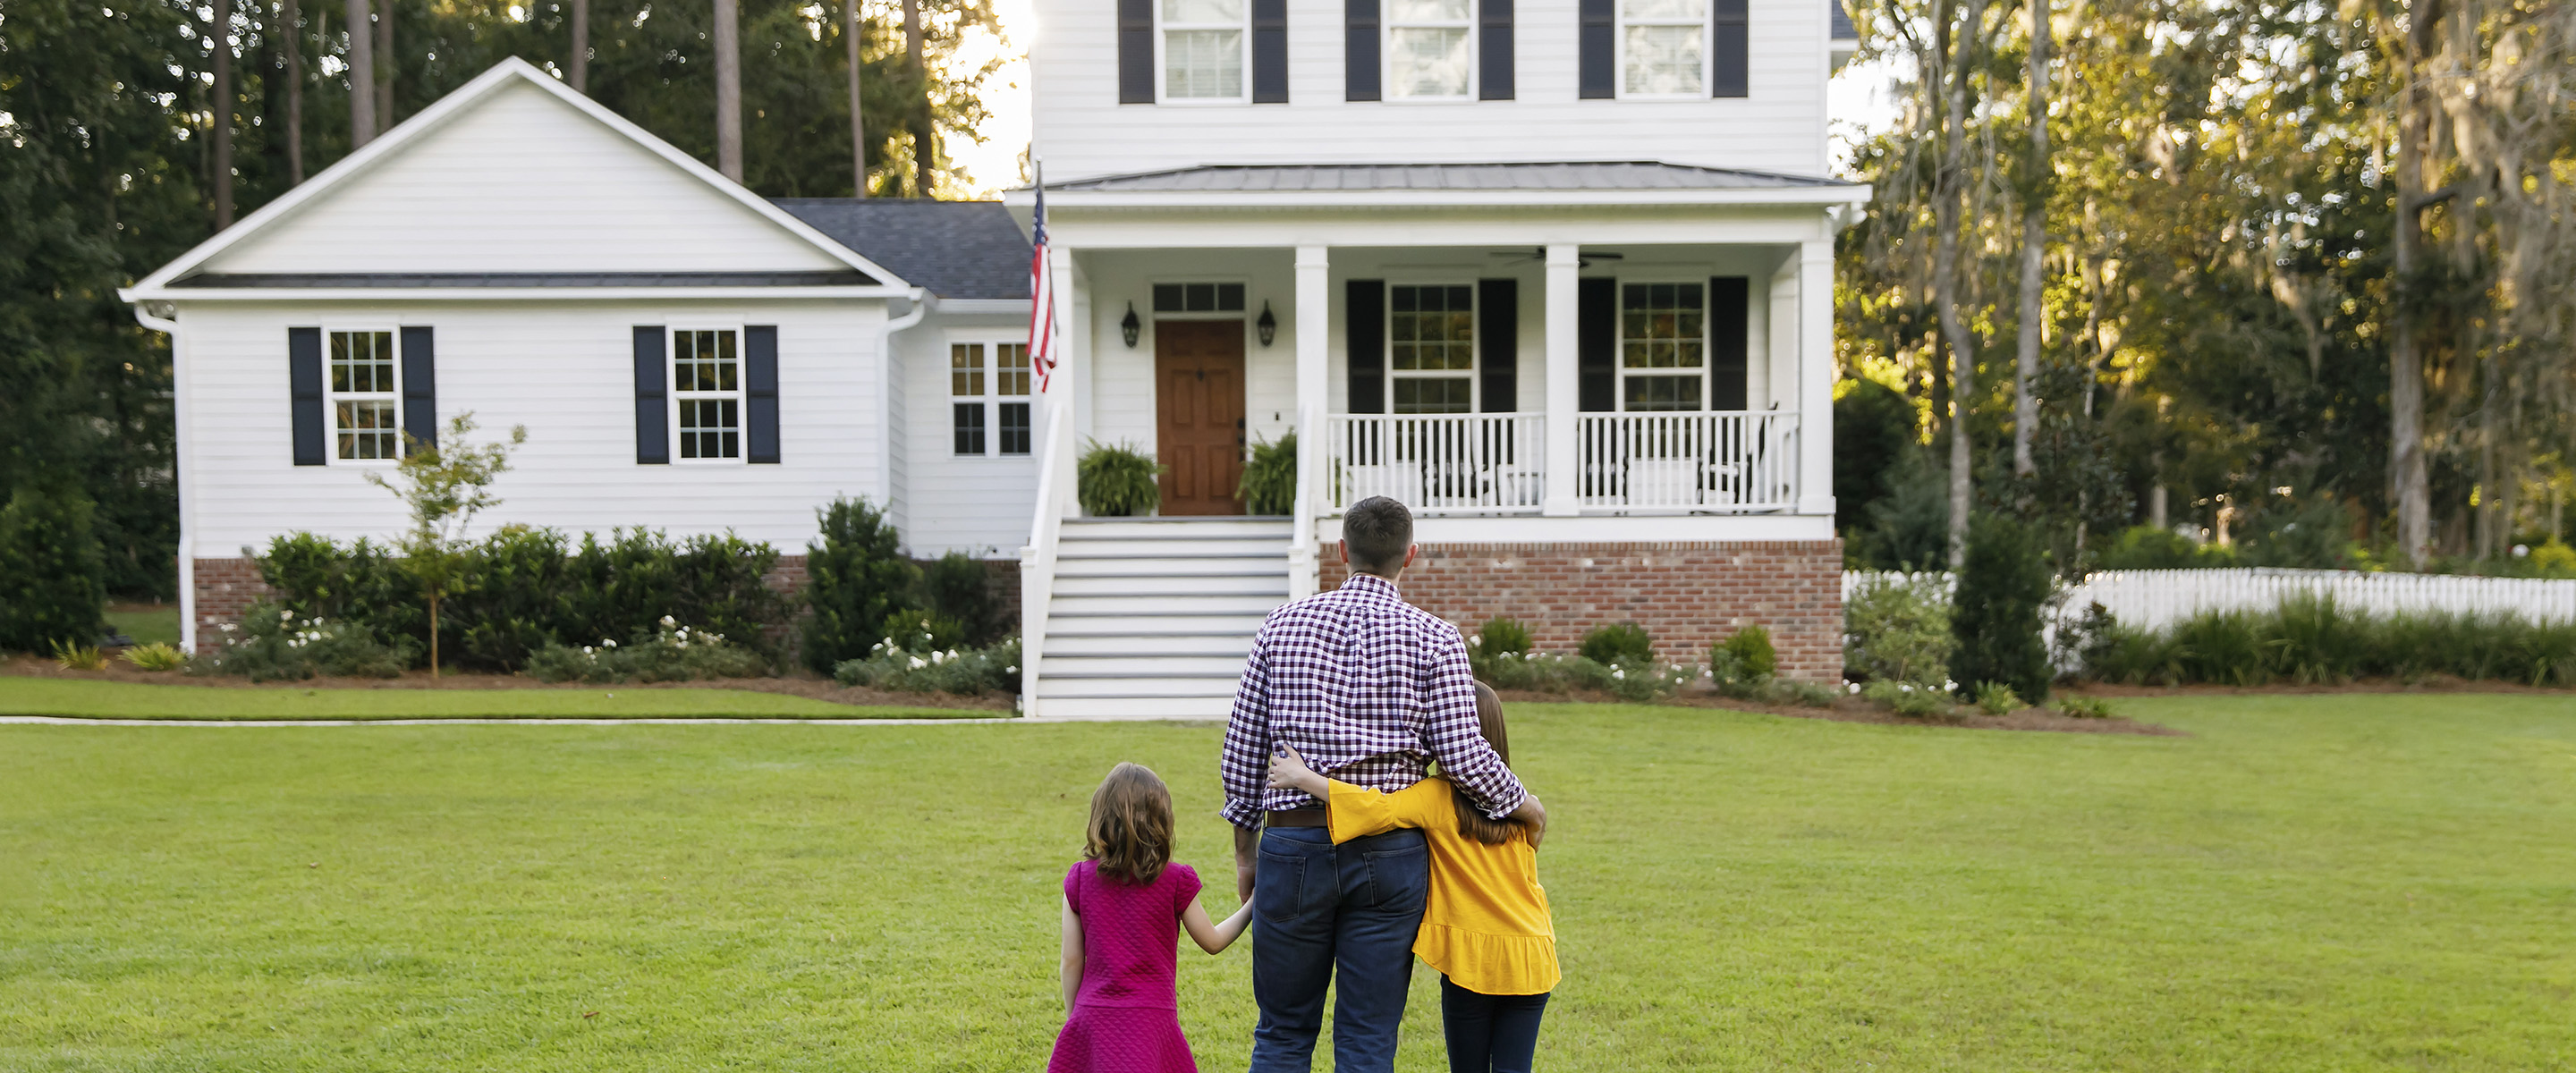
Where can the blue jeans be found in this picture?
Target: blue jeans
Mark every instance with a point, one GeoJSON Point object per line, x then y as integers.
{"type": "Point", "coordinates": [1489, 1033]}
{"type": "Point", "coordinates": [1316, 906]}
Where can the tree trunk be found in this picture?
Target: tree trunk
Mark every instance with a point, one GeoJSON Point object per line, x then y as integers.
{"type": "Point", "coordinates": [577, 65]}
{"type": "Point", "coordinates": [728, 40]}
{"type": "Point", "coordinates": [2034, 246]}
{"type": "Point", "coordinates": [858, 117]}
{"type": "Point", "coordinates": [223, 114]}
{"type": "Point", "coordinates": [433, 633]}
{"type": "Point", "coordinates": [294, 40]}
{"type": "Point", "coordinates": [1949, 194]}
{"type": "Point", "coordinates": [2406, 471]}
{"type": "Point", "coordinates": [362, 77]}
{"type": "Point", "coordinates": [924, 150]}
{"type": "Point", "coordinates": [385, 65]}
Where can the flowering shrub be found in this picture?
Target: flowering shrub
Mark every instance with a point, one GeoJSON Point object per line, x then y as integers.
{"type": "Point", "coordinates": [276, 643]}
{"type": "Point", "coordinates": [1908, 698]}
{"type": "Point", "coordinates": [676, 653]}
{"type": "Point", "coordinates": [914, 665]}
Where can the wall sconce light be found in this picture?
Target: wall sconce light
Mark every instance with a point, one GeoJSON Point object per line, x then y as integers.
{"type": "Point", "coordinates": [1128, 327]}
{"type": "Point", "coordinates": [1268, 325]}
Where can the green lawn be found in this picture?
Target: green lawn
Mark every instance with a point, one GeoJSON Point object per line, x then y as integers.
{"type": "Point", "coordinates": [129, 700]}
{"type": "Point", "coordinates": [146, 623]}
{"type": "Point", "coordinates": [2306, 883]}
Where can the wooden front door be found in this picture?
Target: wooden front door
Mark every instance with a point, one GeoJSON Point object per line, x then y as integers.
{"type": "Point", "coordinates": [1198, 398]}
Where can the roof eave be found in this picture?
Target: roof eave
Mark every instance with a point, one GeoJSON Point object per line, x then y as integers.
{"type": "Point", "coordinates": [494, 294]}
{"type": "Point", "coordinates": [1819, 196]}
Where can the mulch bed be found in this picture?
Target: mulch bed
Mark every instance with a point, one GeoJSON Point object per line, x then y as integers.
{"type": "Point", "coordinates": [801, 685]}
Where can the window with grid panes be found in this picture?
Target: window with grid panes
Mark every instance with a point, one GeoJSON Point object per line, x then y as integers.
{"type": "Point", "coordinates": [1431, 349]}
{"type": "Point", "coordinates": [1663, 47]}
{"type": "Point", "coordinates": [706, 387]}
{"type": "Point", "coordinates": [1203, 42]}
{"type": "Point", "coordinates": [1427, 43]}
{"type": "Point", "coordinates": [1663, 346]}
{"type": "Point", "coordinates": [366, 403]}
{"type": "Point", "coordinates": [1011, 382]}
{"type": "Point", "coordinates": [1198, 298]}
{"type": "Point", "coordinates": [988, 387]}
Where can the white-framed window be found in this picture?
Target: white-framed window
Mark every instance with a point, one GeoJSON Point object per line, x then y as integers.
{"type": "Point", "coordinates": [1663, 346]}
{"type": "Point", "coordinates": [1430, 49]}
{"type": "Point", "coordinates": [988, 391]}
{"type": "Point", "coordinates": [1205, 47]}
{"type": "Point", "coordinates": [364, 396]}
{"type": "Point", "coordinates": [1189, 298]}
{"type": "Point", "coordinates": [706, 393]}
{"type": "Point", "coordinates": [1431, 348]}
{"type": "Point", "coordinates": [1663, 48]}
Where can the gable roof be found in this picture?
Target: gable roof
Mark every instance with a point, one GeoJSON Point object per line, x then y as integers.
{"type": "Point", "coordinates": [795, 248]}
{"type": "Point", "coordinates": [956, 249]}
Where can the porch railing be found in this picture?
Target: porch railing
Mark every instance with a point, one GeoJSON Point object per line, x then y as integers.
{"type": "Point", "coordinates": [1744, 462]}
{"type": "Point", "coordinates": [1438, 463]}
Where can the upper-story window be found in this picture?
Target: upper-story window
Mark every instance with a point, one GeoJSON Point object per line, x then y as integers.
{"type": "Point", "coordinates": [1203, 49]}
{"type": "Point", "coordinates": [1431, 349]}
{"type": "Point", "coordinates": [706, 383]}
{"type": "Point", "coordinates": [1663, 346]}
{"type": "Point", "coordinates": [1428, 49]}
{"type": "Point", "coordinates": [1663, 48]}
{"type": "Point", "coordinates": [365, 402]}
{"type": "Point", "coordinates": [988, 388]}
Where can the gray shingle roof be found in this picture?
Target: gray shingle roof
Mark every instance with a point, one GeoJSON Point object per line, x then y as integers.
{"type": "Point", "coordinates": [957, 249]}
{"type": "Point", "coordinates": [1614, 175]}
{"type": "Point", "coordinates": [849, 277]}
{"type": "Point", "coordinates": [1843, 29]}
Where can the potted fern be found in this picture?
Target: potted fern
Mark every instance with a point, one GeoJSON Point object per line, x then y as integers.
{"type": "Point", "coordinates": [1117, 481]}
{"type": "Point", "coordinates": [1269, 484]}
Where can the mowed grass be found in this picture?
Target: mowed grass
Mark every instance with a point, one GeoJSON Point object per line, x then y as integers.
{"type": "Point", "coordinates": [2306, 883]}
{"type": "Point", "coordinates": [131, 700]}
{"type": "Point", "coordinates": [146, 623]}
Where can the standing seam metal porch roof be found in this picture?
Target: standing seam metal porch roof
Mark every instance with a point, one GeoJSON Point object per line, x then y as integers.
{"type": "Point", "coordinates": [1322, 178]}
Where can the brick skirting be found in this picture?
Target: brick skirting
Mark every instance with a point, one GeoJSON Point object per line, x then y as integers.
{"type": "Point", "coordinates": [1685, 594]}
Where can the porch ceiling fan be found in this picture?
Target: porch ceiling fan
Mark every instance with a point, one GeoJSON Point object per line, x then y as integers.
{"type": "Point", "coordinates": [1585, 258]}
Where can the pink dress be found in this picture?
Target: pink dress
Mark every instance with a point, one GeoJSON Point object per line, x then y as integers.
{"type": "Point", "coordinates": [1126, 1015]}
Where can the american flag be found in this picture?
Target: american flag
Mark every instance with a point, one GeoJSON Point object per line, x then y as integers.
{"type": "Point", "coordinates": [1042, 356]}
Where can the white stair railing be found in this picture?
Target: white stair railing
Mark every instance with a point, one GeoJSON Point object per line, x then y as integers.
{"type": "Point", "coordinates": [1439, 463]}
{"type": "Point", "coordinates": [1037, 560]}
{"type": "Point", "coordinates": [1740, 462]}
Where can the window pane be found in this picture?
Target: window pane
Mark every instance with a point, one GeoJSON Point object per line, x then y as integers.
{"type": "Point", "coordinates": [1011, 368]}
{"type": "Point", "coordinates": [367, 430]}
{"type": "Point", "coordinates": [966, 370]}
{"type": "Point", "coordinates": [1663, 59]}
{"type": "Point", "coordinates": [1427, 62]}
{"type": "Point", "coordinates": [1202, 297]}
{"type": "Point", "coordinates": [1013, 428]}
{"type": "Point", "coordinates": [1197, 11]}
{"type": "Point", "coordinates": [1167, 298]}
{"type": "Point", "coordinates": [1229, 297]}
{"type": "Point", "coordinates": [1663, 393]}
{"type": "Point", "coordinates": [1661, 10]}
{"type": "Point", "coordinates": [967, 419]}
{"type": "Point", "coordinates": [1417, 11]}
{"type": "Point", "coordinates": [1661, 324]}
{"type": "Point", "coordinates": [1432, 328]}
{"type": "Point", "coordinates": [1203, 63]}
{"type": "Point", "coordinates": [1434, 395]}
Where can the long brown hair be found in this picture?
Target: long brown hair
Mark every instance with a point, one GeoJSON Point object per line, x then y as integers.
{"type": "Point", "coordinates": [1131, 825]}
{"type": "Point", "coordinates": [1471, 822]}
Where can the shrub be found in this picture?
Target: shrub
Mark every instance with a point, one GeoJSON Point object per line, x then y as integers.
{"type": "Point", "coordinates": [1269, 484]}
{"type": "Point", "coordinates": [920, 631]}
{"type": "Point", "coordinates": [1874, 426]}
{"type": "Point", "coordinates": [1625, 642]}
{"type": "Point", "coordinates": [2084, 707]}
{"type": "Point", "coordinates": [964, 672]}
{"type": "Point", "coordinates": [1996, 698]}
{"type": "Point", "coordinates": [2004, 587]}
{"type": "Point", "coordinates": [1809, 694]}
{"type": "Point", "coordinates": [1750, 650]}
{"type": "Point", "coordinates": [1897, 629]}
{"type": "Point", "coordinates": [155, 657]}
{"type": "Point", "coordinates": [854, 577]}
{"type": "Point", "coordinates": [1908, 698]}
{"type": "Point", "coordinates": [361, 583]}
{"type": "Point", "coordinates": [2553, 559]}
{"type": "Point", "coordinates": [961, 591]}
{"type": "Point", "coordinates": [674, 653]}
{"type": "Point", "coordinates": [2222, 646]}
{"type": "Point", "coordinates": [79, 657]}
{"type": "Point", "coordinates": [1909, 526]}
{"type": "Point", "coordinates": [509, 598]}
{"type": "Point", "coordinates": [52, 577]}
{"type": "Point", "coordinates": [2312, 639]}
{"type": "Point", "coordinates": [1117, 482]}
{"type": "Point", "coordinates": [273, 643]}
{"type": "Point", "coordinates": [2146, 547]}
{"type": "Point", "coordinates": [1502, 636]}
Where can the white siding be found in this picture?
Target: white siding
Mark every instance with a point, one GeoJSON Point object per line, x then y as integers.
{"type": "Point", "coordinates": [1082, 130]}
{"type": "Point", "coordinates": [566, 371]}
{"type": "Point", "coordinates": [523, 182]}
{"type": "Point", "coordinates": [977, 504]}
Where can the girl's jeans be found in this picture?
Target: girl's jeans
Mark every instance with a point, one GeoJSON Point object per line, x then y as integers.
{"type": "Point", "coordinates": [1489, 1033]}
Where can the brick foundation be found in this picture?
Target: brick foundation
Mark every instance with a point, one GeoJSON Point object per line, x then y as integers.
{"type": "Point", "coordinates": [1685, 594]}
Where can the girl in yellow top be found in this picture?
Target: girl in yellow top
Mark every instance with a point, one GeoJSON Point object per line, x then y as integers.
{"type": "Point", "coordinates": [1486, 925]}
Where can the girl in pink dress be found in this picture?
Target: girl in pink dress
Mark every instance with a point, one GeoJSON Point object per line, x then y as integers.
{"type": "Point", "coordinates": [1124, 905]}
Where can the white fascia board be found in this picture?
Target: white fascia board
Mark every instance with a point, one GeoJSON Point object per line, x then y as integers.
{"type": "Point", "coordinates": [456, 103]}
{"type": "Point", "coordinates": [1843, 194]}
{"type": "Point", "coordinates": [1605, 528]}
{"type": "Point", "coordinates": [1111, 231]}
{"type": "Point", "coordinates": [497, 294]}
{"type": "Point", "coordinates": [972, 306]}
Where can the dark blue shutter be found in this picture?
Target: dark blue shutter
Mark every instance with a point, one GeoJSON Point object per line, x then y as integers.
{"type": "Point", "coordinates": [1359, 50]}
{"type": "Point", "coordinates": [1729, 62]}
{"type": "Point", "coordinates": [304, 394]}
{"type": "Point", "coordinates": [1596, 344]}
{"type": "Point", "coordinates": [1135, 51]}
{"type": "Point", "coordinates": [1729, 324]}
{"type": "Point", "coordinates": [1364, 319]}
{"type": "Point", "coordinates": [1594, 52]}
{"type": "Point", "coordinates": [652, 397]}
{"type": "Point", "coordinates": [760, 391]}
{"type": "Point", "coordinates": [1269, 51]}
{"type": "Point", "coordinates": [1494, 50]}
{"type": "Point", "coordinates": [1498, 330]}
{"type": "Point", "coordinates": [419, 389]}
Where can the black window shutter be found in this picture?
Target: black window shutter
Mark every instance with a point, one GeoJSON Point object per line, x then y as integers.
{"type": "Point", "coordinates": [304, 394]}
{"type": "Point", "coordinates": [1596, 344]}
{"type": "Point", "coordinates": [1729, 318]}
{"type": "Point", "coordinates": [1269, 51]}
{"type": "Point", "coordinates": [1594, 54]}
{"type": "Point", "coordinates": [652, 397]}
{"type": "Point", "coordinates": [1730, 64]}
{"type": "Point", "coordinates": [1498, 327]}
{"type": "Point", "coordinates": [760, 392]}
{"type": "Point", "coordinates": [1364, 317]}
{"type": "Point", "coordinates": [1135, 51]}
{"type": "Point", "coordinates": [419, 388]}
{"type": "Point", "coordinates": [1494, 50]}
{"type": "Point", "coordinates": [1359, 50]}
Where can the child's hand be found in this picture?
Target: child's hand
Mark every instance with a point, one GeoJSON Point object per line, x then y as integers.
{"type": "Point", "coordinates": [1288, 771]}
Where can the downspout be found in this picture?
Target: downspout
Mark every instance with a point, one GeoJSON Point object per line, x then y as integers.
{"type": "Point", "coordinates": [922, 300]}
{"type": "Point", "coordinates": [167, 323]}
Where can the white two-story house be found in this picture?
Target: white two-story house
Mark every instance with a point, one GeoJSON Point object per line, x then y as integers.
{"type": "Point", "coordinates": [1556, 274]}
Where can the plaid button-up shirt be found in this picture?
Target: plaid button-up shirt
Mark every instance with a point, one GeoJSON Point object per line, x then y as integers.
{"type": "Point", "coordinates": [1371, 690]}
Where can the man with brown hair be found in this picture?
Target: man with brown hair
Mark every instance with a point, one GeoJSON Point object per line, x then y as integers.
{"type": "Point", "coordinates": [1371, 690]}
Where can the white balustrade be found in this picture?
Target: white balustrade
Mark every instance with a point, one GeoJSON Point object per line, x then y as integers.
{"type": "Point", "coordinates": [1438, 463]}
{"type": "Point", "coordinates": [1743, 462]}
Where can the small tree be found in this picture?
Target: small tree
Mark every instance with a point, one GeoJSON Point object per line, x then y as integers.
{"type": "Point", "coordinates": [2003, 587]}
{"type": "Point", "coordinates": [51, 574]}
{"type": "Point", "coordinates": [445, 484]}
{"type": "Point", "coordinates": [854, 578]}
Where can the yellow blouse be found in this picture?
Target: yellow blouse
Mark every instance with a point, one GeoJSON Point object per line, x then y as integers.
{"type": "Point", "coordinates": [1486, 925]}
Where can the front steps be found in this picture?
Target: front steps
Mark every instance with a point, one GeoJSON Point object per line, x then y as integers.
{"type": "Point", "coordinates": [1150, 618]}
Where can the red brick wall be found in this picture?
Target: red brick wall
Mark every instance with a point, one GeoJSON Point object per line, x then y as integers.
{"type": "Point", "coordinates": [1684, 594]}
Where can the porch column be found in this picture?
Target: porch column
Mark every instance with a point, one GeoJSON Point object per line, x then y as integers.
{"type": "Point", "coordinates": [1314, 341]}
{"type": "Point", "coordinates": [1564, 379]}
{"type": "Point", "coordinates": [1815, 392]}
